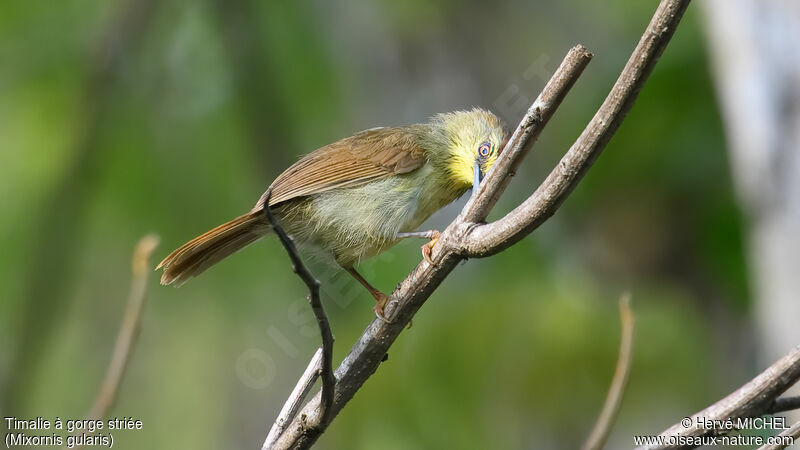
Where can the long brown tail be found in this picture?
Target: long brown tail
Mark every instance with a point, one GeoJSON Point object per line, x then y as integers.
{"type": "Point", "coordinates": [202, 252]}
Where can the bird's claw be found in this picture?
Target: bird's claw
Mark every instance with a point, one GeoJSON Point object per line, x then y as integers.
{"type": "Point", "coordinates": [379, 307]}
{"type": "Point", "coordinates": [427, 249]}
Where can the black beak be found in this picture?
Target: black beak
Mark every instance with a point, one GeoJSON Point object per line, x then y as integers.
{"type": "Point", "coordinates": [478, 177]}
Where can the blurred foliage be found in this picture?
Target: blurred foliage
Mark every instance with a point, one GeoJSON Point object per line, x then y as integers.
{"type": "Point", "coordinates": [210, 100]}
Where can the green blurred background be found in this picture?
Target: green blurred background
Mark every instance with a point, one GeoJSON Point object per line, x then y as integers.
{"type": "Point", "coordinates": [125, 117]}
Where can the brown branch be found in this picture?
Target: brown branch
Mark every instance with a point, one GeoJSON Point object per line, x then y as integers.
{"type": "Point", "coordinates": [128, 330]}
{"type": "Point", "coordinates": [488, 239]}
{"type": "Point", "coordinates": [323, 413]}
{"type": "Point", "coordinates": [754, 399]}
{"type": "Point", "coordinates": [602, 428]}
{"type": "Point", "coordinates": [528, 130]}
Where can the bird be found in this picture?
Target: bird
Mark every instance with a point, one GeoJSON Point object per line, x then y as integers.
{"type": "Point", "coordinates": [359, 196]}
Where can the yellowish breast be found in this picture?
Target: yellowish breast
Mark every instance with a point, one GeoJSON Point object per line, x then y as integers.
{"type": "Point", "coordinates": [352, 224]}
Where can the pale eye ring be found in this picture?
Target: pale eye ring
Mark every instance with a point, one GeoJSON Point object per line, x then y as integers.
{"type": "Point", "coordinates": [485, 149]}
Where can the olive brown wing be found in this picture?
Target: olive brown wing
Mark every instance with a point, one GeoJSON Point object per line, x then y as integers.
{"type": "Point", "coordinates": [353, 161]}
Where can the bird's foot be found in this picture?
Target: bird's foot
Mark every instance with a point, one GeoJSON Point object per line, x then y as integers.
{"type": "Point", "coordinates": [427, 249]}
{"type": "Point", "coordinates": [381, 300]}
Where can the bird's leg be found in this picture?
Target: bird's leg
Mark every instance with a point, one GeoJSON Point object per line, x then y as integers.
{"type": "Point", "coordinates": [433, 235]}
{"type": "Point", "coordinates": [379, 296]}
{"type": "Point", "coordinates": [430, 234]}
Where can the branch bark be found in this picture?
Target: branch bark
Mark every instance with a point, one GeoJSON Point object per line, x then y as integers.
{"type": "Point", "coordinates": [754, 399]}
{"type": "Point", "coordinates": [466, 237]}
{"type": "Point", "coordinates": [526, 133]}
{"type": "Point", "coordinates": [488, 239]}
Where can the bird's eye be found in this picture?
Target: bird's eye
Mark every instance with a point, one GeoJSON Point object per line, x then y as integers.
{"type": "Point", "coordinates": [485, 149]}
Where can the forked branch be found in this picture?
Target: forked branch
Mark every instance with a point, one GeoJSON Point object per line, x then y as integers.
{"type": "Point", "coordinates": [467, 236]}
{"type": "Point", "coordinates": [488, 239]}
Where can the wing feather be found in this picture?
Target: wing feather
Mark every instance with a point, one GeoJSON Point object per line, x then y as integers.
{"type": "Point", "coordinates": [369, 155]}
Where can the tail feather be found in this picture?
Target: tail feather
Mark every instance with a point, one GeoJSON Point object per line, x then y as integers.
{"type": "Point", "coordinates": [202, 252]}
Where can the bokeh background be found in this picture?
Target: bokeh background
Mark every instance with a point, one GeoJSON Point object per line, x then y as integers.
{"type": "Point", "coordinates": [121, 118]}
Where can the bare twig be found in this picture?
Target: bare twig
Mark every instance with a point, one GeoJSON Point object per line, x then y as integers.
{"type": "Point", "coordinates": [128, 330]}
{"type": "Point", "coordinates": [789, 437]}
{"type": "Point", "coordinates": [323, 413]}
{"type": "Point", "coordinates": [751, 400]}
{"type": "Point", "coordinates": [602, 428]}
{"type": "Point", "coordinates": [295, 400]}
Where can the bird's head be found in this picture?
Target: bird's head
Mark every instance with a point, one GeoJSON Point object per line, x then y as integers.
{"type": "Point", "coordinates": [466, 145]}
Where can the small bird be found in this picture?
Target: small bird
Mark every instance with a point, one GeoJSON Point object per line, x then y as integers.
{"type": "Point", "coordinates": [354, 198]}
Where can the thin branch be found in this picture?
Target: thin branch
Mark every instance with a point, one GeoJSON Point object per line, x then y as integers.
{"type": "Point", "coordinates": [784, 404]}
{"type": "Point", "coordinates": [464, 239]}
{"type": "Point", "coordinates": [295, 400]}
{"type": "Point", "coordinates": [486, 240]}
{"type": "Point", "coordinates": [602, 428]}
{"type": "Point", "coordinates": [528, 130]}
{"type": "Point", "coordinates": [789, 437]}
{"type": "Point", "coordinates": [751, 400]}
{"type": "Point", "coordinates": [128, 330]}
{"type": "Point", "coordinates": [323, 414]}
